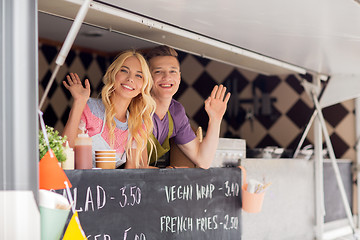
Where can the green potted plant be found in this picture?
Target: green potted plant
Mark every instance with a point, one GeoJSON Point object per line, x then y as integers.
{"type": "Point", "coordinates": [56, 142]}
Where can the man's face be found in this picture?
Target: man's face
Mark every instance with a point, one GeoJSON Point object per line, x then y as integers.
{"type": "Point", "coordinates": [165, 71]}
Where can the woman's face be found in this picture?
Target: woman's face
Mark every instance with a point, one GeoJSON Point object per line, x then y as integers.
{"type": "Point", "coordinates": [129, 79]}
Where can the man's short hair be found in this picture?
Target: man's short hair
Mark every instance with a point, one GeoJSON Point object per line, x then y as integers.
{"type": "Point", "coordinates": [161, 51]}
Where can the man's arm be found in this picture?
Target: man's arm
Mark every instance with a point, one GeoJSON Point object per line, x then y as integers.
{"type": "Point", "coordinates": [203, 153]}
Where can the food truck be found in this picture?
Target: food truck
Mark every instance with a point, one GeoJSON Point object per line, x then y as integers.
{"type": "Point", "coordinates": [292, 70]}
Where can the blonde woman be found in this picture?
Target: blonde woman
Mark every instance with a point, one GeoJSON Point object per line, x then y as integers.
{"type": "Point", "coordinates": [122, 119]}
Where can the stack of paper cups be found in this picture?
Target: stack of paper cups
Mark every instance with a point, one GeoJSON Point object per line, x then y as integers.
{"type": "Point", "coordinates": [105, 159]}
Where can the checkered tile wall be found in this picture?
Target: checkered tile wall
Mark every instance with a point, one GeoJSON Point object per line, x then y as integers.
{"type": "Point", "coordinates": [266, 111]}
{"type": "Point", "coordinates": [58, 103]}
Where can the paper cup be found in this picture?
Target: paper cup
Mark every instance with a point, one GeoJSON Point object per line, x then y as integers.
{"type": "Point", "coordinates": [54, 210]}
{"type": "Point", "coordinates": [52, 222]}
{"type": "Point", "coordinates": [106, 155]}
{"type": "Point", "coordinates": [52, 200]}
{"type": "Point", "coordinates": [105, 151]}
{"type": "Point", "coordinates": [105, 162]}
{"type": "Point", "coordinates": [251, 202]}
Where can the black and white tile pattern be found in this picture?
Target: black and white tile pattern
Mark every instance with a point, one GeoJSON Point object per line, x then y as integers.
{"type": "Point", "coordinates": [264, 110]}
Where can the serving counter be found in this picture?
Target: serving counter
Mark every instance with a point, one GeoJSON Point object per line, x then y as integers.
{"type": "Point", "coordinates": [205, 204]}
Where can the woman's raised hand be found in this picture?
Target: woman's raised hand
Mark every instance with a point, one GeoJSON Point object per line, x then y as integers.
{"type": "Point", "coordinates": [75, 87]}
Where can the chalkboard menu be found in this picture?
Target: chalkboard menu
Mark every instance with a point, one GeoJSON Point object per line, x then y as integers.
{"type": "Point", "coordinates": [158, 203]}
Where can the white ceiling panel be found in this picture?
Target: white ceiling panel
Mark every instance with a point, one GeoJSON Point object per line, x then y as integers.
{"type": "Point", "coordinates": [322, 36]}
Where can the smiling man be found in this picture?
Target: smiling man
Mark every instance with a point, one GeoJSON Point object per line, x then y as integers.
{"type": "Point", "coordinates": [170, 120]}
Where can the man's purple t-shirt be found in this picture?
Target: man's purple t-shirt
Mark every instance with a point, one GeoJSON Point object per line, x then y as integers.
{"type": "Point", "coordinates": [182, 132]}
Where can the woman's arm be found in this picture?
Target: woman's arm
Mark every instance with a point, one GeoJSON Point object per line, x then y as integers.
{"type": "Point", "coordinates": [144, 161]}
{"type": "Point", "coordinates": [81, 96]}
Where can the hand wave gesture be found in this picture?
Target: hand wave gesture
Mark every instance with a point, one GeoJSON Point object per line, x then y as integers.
{"type": "Point", "coordinates": [76, 88]}
{"type": "Point", "coordinates": [216, 104]}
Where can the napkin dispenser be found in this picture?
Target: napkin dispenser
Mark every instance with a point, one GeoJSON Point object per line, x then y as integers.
{"type": "Point", "coordinates": [229, 152]}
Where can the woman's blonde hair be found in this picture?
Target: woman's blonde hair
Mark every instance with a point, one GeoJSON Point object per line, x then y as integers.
{"type": "Point", "coordinates": [141, 107]}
